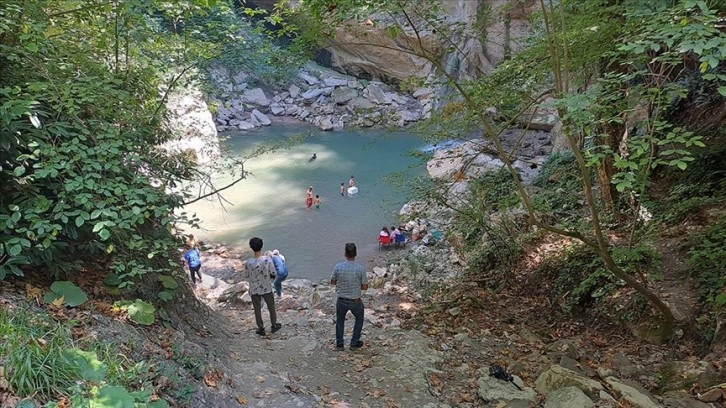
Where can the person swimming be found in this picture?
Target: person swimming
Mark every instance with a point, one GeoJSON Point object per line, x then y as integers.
{"type": "Point", "coordinates": [315, 156]}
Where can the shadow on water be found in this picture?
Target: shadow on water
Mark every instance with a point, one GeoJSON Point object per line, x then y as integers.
{"type": "Point", "coordinates": [270, 203]}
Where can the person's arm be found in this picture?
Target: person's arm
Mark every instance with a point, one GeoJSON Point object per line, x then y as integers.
{"type": "Point", "coordinates": [364, 280]}
{"type": "Point", "coordinates": [334, 277]}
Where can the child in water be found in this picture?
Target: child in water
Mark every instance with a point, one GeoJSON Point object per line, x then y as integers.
{"type": "Point", "coordinates": [342, 189]}
{"type": "Point", "coordinates": [317, 201]}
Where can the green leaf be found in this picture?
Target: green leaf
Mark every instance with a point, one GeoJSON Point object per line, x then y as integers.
{"type": "Point", "coordinates": [166, 295]}
{"type": "Point", "coordinates": [91, 368]}
{"type": "Point", "coordinates": [168, 282]}
{"type": "Point", "coordinates": [682, 165]}
{"type": "Point", "coordinates": [111, 279]}
{"type": "Point", "coordinates": [141, 312]}
{"type": "Point", "coordinates": [722, 90]}
{"type": "Point", "coordinates": [112, 397]}
{"type": "Point", "coordinates": [72, 294]}
{"type": "Point", "coordinates": [104, 234]}
{"type": "Point", "coordinates": [25, 404]}
{"type": "Point", "coordinates": [19, 171]}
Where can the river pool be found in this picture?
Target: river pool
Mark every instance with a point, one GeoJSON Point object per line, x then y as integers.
{"type": "Point", "coordinates": [270, 203]}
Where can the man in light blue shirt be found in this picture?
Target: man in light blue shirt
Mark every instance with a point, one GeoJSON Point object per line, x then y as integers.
{"type": "Point", "coordinates": [349, 278]}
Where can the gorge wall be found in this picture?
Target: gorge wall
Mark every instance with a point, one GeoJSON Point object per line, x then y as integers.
{"type": "Point", "coordinates": [486, 32]}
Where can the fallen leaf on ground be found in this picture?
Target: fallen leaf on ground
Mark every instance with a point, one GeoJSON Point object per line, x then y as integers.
{"type": "Point", "coordinates": [242, 400]}
{"type": "Point", "coordinates": [212, 377]}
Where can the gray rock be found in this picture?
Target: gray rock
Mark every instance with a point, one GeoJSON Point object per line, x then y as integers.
{"type": "Point", "coordinates": [277, 110]}
{"type": "Point", "coordinates": [410, 115]}
{"type": "Point", "coordinates": [492, 389]}
{"type": "Point", "coordinates": [624, 365]}
{"type": "Point", "coordinates": [423, 93]}
{"type": "Point", "coordinates": [309, 79]}
{"type": "Point", "coordinates": [331, 81]}
{"type": "Point", "coordinates": [261, 117]}
{"type": "Point", "coordinates": [294, 91]}
{"type": "Point", "coordinates": [256, 96]}
{"type": "Point", "coordinates": [311, 94]}
{"type": "Point", "coordinates": [325, 124]}
{"type": "Point", "coordinates": [343, 95]}
{"type": "Point", "coordinates": [245, 125]}
{"type": "Point", "coordinates": [638, 398]}
{"type": "Point", "coordinates": [557, 377]}
{"type": "Point", "coordinates": [375, 93]}
{"type": "Point", "coordinates": [361, 103]}
{"type": "Point", "coordinates": [568, 397]}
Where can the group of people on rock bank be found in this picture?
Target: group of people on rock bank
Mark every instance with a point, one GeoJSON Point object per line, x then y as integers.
{"type": "Point", "coordinates": [311, 200]}
{"type": "Point", "coordinates": [266, 272]}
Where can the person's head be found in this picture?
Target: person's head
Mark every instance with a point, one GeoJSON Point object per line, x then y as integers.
{"type": "Point", "coordinates": [256, 244]}
{"type": "Point", "coordinates": [393, 227]}
{"type": "Point", "coordinates": [385, 229]}
{"type": "Point", "coordinates": [342, 184]}
{"type": "Point", "coordinates": [352, 177]}
{"type": "Point", "coordinates": [350, 250]}
{"type": "Point", "coordinates": [268, 253]}
{"type": "Point", "coordinates": [317, 195]}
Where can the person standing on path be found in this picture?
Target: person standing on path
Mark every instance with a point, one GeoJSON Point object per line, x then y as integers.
{"type": "Point", "coordinates": [309, 197]}
{"type": "Point", "coordinates": [258, 271]}
{"type": "Point", "coordinates": [193, 260]}
{"type": "Point", "coordinates": [349, 278]}
{"type": "Point", "coordinates": [280, 267]}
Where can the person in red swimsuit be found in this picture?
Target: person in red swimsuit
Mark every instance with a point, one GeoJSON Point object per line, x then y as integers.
{"type": "Point", "coordinates": [309, 197]}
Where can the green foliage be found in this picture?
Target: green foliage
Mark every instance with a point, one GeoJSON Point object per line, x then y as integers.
{"type": "Point", "coordinates": [707, 259]}
{"type": "Point", "coordinates": [580, 282]}
{"type": "Point", "coordinates": [71, 294]}
{"type": "Point", "coordinates": [90, 368]}
{"type": "Point", "coordinates": [702, 187]}
{"type": "Point", "coordinates": [42, 362]}
{"type": "Point", "coordinates": [139, 311]}
{"type": "Point", "coordinates": [82, 179]}
{"type": "Point", "coordinates": [560, 184]}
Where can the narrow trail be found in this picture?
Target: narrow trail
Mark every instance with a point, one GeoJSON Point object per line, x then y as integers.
{"type": "Point", "coordinates": [299, 367]}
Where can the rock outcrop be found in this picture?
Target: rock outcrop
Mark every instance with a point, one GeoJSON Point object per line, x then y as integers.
{"type": "Point", "coordinates": [484, 31]}
{"type": "Point", "coordinates": [328, 100]}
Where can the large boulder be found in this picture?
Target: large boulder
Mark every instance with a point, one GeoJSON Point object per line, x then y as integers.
{"type": "Point", "coordinates": [256, 96]}
{"type": "Point", "coordinates": [557, 377]}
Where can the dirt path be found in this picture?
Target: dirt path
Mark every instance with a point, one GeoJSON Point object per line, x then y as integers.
{"type": "Point", "coordinates": [299, 367]}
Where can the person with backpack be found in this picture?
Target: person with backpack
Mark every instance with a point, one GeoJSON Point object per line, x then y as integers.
{"type": "Point", "coordinates": [193, 261]}
{"type": "Point", "coordinates": [280, 267]}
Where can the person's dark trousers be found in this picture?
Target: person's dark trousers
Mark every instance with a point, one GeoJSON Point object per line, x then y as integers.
{"type": "Point", "coordinates": [257, 305]}
{"type": "Point", "coordinates": [193, 271]}
{"type": "Point", "coordinates": [341, 309]}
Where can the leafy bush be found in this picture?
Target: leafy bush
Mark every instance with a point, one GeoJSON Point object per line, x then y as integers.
{"type": "Point", "coordinates": [702, 186]}
{"type": "Point", "coordinates": [707, 259]}
{"type": "Point", "coordinates": [581, 284]}
{"type": "Point", "coordinates": [82, 180]}
{"type": "Point", "coordinates": [43, 363]}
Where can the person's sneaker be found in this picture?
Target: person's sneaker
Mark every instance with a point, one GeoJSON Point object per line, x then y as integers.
{"type": "Point", "coordinates": [339, 347]}
{"type": "Point", "coordinates": [276, 327]}
{"type": "Point", "coordinates": [356, 346]}
{"type": "Point", "coordinates": [261, 332]}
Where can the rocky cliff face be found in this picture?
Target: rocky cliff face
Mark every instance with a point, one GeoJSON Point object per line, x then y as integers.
{"type": "Point", "coordinates": [488, 30]}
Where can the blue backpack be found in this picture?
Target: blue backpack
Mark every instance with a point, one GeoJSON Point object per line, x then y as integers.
{"type": "Point", "coordinates": [192, 257]}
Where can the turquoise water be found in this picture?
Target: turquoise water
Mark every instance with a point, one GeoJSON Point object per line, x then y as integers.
{"type": "Point", "coordinates": [270, 203]}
